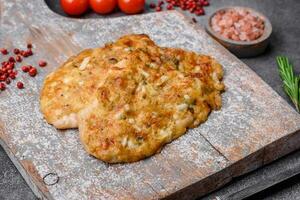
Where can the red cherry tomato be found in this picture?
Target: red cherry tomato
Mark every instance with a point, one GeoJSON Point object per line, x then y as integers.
{"type": "Point", "coordinates": [131, 6]}
{"type": "Point", "coordinates": [74, 7]}
{"type": "Point", "coordinates": [103, 6]}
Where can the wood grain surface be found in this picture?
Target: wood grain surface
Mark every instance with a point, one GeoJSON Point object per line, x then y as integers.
{"type": "Point", "coordinates": [254, 126]}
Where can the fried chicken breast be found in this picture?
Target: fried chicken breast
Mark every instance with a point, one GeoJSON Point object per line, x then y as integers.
{"type": "Point", "coordinates": [135, 97]}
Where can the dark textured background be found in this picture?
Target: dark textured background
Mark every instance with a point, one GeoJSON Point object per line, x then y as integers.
{"type": "Point", "coordinates": [285, 18]}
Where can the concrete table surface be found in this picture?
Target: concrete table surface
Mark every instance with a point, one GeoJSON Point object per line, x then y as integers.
{"type": "Point", "coordinates": [285, 18]}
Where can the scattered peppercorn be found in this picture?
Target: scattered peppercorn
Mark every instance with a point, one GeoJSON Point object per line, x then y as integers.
{"type": "Point", "coordinates": [29, 45]}
{"type": "Point", "coordinates": [2, 86]}
{"type": "Point", "coordinates": [11, 59]}
{"type": "Point", "coordinates": [25, 69]}
{"type": "Point", "coordinates": [8, 68]}
{"type": "Point", "coordinates": [42, 63]}
{"type": "Point", "coordinates": [20, 85]}
{"type": "Point", "coordinates": [4, 51]}
{"type": "Point", "coordinates": [12, 76]}
{"type": "Point", "coordinates": [32, 72]}
{"type": "Point", "coordinates": [194, 20]}
{"type": "Point", "coordinates": [10, 65]}
{"type": "Point", "coordinates": [158, 9]}
{"type": "Point", "coordinates": [7, 81]}
{"type": "Point", "coordinates": [19, 58]}
{"type": "Point", "coordinates": [170, 7]}
{"type": "Point", "coordinates": [160, 3]}
{"type": "Point", "coordinates": [23, 53]}
{"type": "Point", "coordinates": [205, 3]}
{"type": "Point", "coordinates": [152, 5]}
{"type": "Point", "coordinates": [193, 6]}
{"type": "Point", "coordinates": [16, 51]}
{"type": "Point", "coordinates": [2, 77]}
{"type": "Point", "coordinates": [29, 52]}
{"type": "Point", "coordinates": [200, 11]}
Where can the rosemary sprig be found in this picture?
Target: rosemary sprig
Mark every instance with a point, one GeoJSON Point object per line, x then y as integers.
{"type": "Point", "coordinates": [291, 82]}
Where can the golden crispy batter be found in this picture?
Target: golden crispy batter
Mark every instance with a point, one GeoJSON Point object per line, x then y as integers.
{"type": "Point", "coordinates": [148, 100]}
{"type": "Point", "coordinates": [131, 97]}
{"type": "Point", "coordinates": [73, 85]}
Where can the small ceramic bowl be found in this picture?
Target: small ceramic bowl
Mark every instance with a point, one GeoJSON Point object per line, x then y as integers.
{"type": "Point", "coordinates": [243, 49]}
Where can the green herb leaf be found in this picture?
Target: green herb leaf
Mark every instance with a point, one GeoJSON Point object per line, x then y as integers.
{"type": "Point", "coordinates": [291, 82]}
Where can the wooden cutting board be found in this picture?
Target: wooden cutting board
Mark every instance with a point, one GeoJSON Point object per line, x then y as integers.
{"type": "Point", "coordinates": [255, 125]}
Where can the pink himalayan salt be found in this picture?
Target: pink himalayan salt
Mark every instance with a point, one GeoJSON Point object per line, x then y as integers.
{"type": "Point", "coordinates": [238, 24]}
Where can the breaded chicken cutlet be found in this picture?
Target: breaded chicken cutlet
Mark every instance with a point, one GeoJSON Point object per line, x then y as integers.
{"type": "Point", "coordinates": [144, 97]}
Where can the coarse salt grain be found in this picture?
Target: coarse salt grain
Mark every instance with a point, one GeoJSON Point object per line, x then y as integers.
{"type": "Point", "coordinates": [238, 24]}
